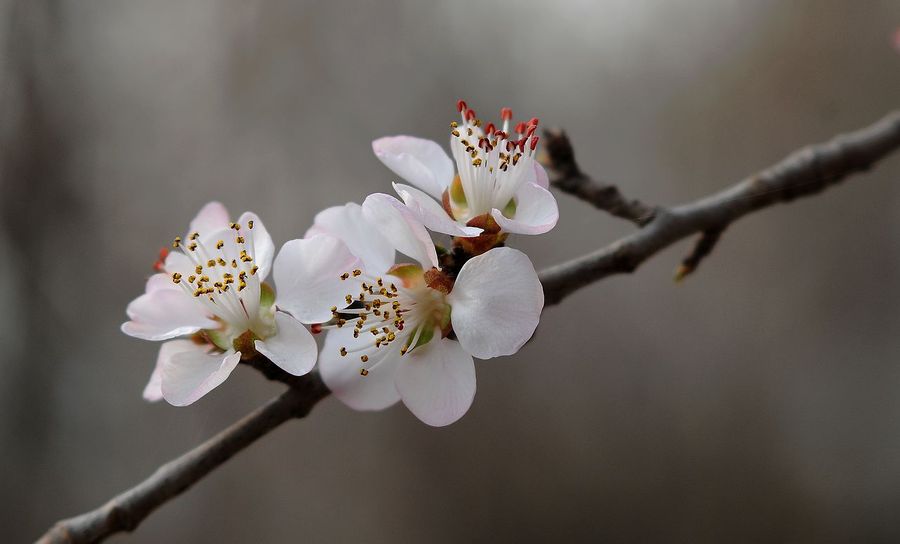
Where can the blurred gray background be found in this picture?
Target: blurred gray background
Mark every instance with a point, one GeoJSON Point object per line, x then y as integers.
{"type": "Point", "coordinates": [758, 401]}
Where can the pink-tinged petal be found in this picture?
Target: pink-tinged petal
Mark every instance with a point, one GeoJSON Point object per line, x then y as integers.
{"type": "Point", "coordinates": [437, 382]}
{"type": "Point", "coordinates": [211, 217]}
{"type": "Point", "coordinates": [432, 214]}
{"type": "Point", "coordinates": [496, 303]}
{"type": "Point", "coordinates": [177, 261]}
{"type": "Point", "coordinates": [364, 240]}
{"type": "Point", "coordinates": [259, 240]}
{"type": "Point", "coordinates": [308, 277]}
{"type": "Point", "coordinates": [293, 348]}
{"type": "Point", "coordinates": [164, 314]}
{"type": "Point", "coordinates": [536, 211]}
{"type": "Point", "coordinates": [153, 390]}
{"type": "Point", "coordinates": [421, 162]}
{"type": "Point", "coordinates": [159, 282]}
{"type": "Point", "coordinates": [376, 390]}
{"type": "Point", "coordinates": [188, 375]}
{"type": "Point", "coordinates": [401, 226]}
{"type": "Point", "coordinates": [540, 175]}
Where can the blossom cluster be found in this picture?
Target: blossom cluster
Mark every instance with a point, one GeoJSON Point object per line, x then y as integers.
{"type": "Point", "coordinates": [402, 318]}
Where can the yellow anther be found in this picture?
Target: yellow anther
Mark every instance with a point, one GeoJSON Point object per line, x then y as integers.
{"type": "Point", "coordinates": [220, 244]}
{"type": "Point", "coordinates": [357, 272]}
{"type": "Point", "coordinates": [250, 224]}
{"type": "Point", "coordinates": [348, 299]}
{"type": "Point", "coordinates": [365, 359]}
{"type": "Point", "coordinates": [343, 352]}
{"type": "Point", "coordinates": [476, 162]}
{"type": "Point", "coordinates": [221, 261]}
{"type": "Point", "coordinates": [455, 133]}
{"type": "Point", "coordinates": [333, 309]}
{"type": "Point", "coordinates": [242, 285]}
{"type": "Point", "coordinates": [253, 270]}
{"type": "Point", "coordinates": [345, 275]}
{"type": "Point", "coordinates": [192, 247]}
{"type": "Point", "coordinates": [233, 263]}
{"type": "Point", "coordinates": [176, 242]}
{"type": "Point", "coordinates": [363, 371]}
{"type": "Point", "coordinates": [239, 239]}
{"type": "Point", "coordinates": [391, 337]}
{"type": "Point", "coordinates": [211, 263]}
{"type": "Point", "coordinates": [195, 235]}
{"type": "Point", "coordinates": [191, 278]}
{"type": "Point", "coordinates": [454, 124]}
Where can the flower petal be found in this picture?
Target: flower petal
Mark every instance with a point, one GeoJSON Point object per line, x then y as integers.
{"type": "Point", "coordinates": [153, 390]}
{"type": "Point", "coordinates": [421, 162]}
{"type": "Point", "coordinates": [308, 277]}
{"type": "Point", "coordinates": [540, 175]}
{"type": "Point", "coordinates": [188, 375]}
{"type": "Point", "coordinates": [293, 348]}
{"type": "Point", "coordinates": [211, 217]}
{"type": "Point", "coordinates": [165, 313]}
{"type": "Point", "coordinates": [259, 240]}
{"type": "Point", "coordinates": [364, 240]}
{"type": "Point", "coordinates": [536, 211]}
{"type": "Point", "coordinates": [401, 227]}
{"type": "Point", "coordinates": [375, 391]}
{"type": "Point", "coordinates": [432, 214]}
{"type": "Point", "coordinates": [437, 382]}
{"type": "Point", "coordinates": [496, 303]}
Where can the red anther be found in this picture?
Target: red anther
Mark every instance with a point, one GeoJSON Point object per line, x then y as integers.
{"type": "Point", "coordinates": [510, 145]}
{"type": "Point", "coordinates": [520, 128]}
{"type": "Point", "coordinates": [470, 115]}
{"type": "Point", "coordinates": [315, 328]}
{"type": "Point", "coordinates": [461, 106]}
{"type": "Point", "coordinates": [534, 142]}
{"type": "Point", "coordinates": [160, 263]}
{"type": "Point", "coordinates": [534, 121]}
{"type": "Point", "coordinates": [531, 130]}
{"type": "Point", "coordinates": [489, 129]}
{"type": "Point", "coordinates": [521, 144]}
{"type": "Point", "coordinates": [502, 135]}
{"type": "Point", "coordinates": [505, 114]}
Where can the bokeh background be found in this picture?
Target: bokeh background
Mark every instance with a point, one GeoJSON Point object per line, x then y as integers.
{"type": "Point", "coordinates": [758, 401]}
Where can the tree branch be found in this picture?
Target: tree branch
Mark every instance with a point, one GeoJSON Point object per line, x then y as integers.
{"type": "Point", "coordinates": [127, 510]}
{"type": "Point", "coordinates": [566, 176]}
{"type": "Point", "coordinates": [803, 173]}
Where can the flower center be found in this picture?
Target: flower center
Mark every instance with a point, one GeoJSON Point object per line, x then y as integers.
{"type": "Point", "coordinates": [399, 313]}
{"type": "Point", "coordinates": [491, 162]}
{"type": "Point", "coordinates": [220, 272]}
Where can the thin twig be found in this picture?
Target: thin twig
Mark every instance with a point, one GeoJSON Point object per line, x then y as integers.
{"type": "Point", "coordinates": [802, 173]}
{"type": "Point", "coordinates": [126, 511]}
{"type": "Point", "coordinates": [566, 176]}
{"type": "Point", "coordinates": [703, 247]}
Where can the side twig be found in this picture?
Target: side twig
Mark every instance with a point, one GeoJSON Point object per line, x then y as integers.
{"type": "Point", "coordinates": [127, 510]}
{"type": "Point", "coordinates": [803, 173]}
{"type": "Point", "coordinates": [566, 176]}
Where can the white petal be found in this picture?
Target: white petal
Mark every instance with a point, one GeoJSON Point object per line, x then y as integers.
{"type": "Point", "coordinates": [437, 381]}
{"type": "Point", "coordinates": [153, 390]}
{"type": "Point", "coordinates": [376, 391]}
{"type": "Point", "coordinates": [540, 175]}
{"type": "Point", "coordinates": [432, 214]}
{"type": "Point", "coordinates": [536, 211]}
{"type": "Point", "coordinates": [400, 225]}
{"type": "Point", "coordinates": [308, 277]}
{"type": "Point", "coordinates": [293, 348]}
{"type": "Point", "coordinates": [263, 247]}
{"type": "Point", "coordinates": [177, 261]}
{"type": "Point", "coordinates": [496, 303]}
{"type": "Point", "coordinates": [188, 375]}
{"type": "Point", "coordinates": [210, 218]}
{"type": "Point", "coordinates": [364, 240]}
{"type": "Point", "coordinates": [165, 313]}
{"type": "Point", "coordinates": [421, 162]}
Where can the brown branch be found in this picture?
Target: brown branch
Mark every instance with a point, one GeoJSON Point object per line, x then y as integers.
{"type": "Point", "coordinates": [566, 176]}
{"type": "Point", "coordinates": [126, 511]}
{"type": "Point", "coordinates": [703, 247]}
{"type": "Point", "coordinates": [803, 173]}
